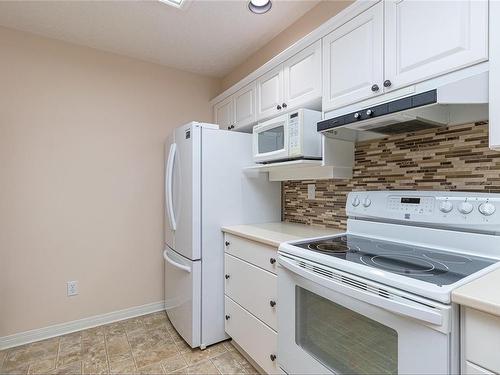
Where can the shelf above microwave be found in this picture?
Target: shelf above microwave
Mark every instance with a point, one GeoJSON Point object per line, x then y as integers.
{"type": "Point", "coordinates": [298, 170]}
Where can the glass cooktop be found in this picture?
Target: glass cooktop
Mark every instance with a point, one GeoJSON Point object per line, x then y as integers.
{"type": "Point", "coordinates": [426, 264]}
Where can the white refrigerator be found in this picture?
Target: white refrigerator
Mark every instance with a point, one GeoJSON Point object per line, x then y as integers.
{"type": "Point", "coordinates": [205, 189]}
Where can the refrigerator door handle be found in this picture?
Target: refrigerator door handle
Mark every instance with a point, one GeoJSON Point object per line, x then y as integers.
{"type": "Point", "coordinates": [169, 179]}
{"type": "Point", "coordinates": [174, 263]}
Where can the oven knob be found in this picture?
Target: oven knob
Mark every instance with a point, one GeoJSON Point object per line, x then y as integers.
{"type": "Point", "coordinates": [487, 209]}
{"type": "Point", "coordinates": [369, 112]}
{"type": "Point", "coordinates": [465, 208]}
{"type": "Point", "coordinates": [367, 202]}
{"type": "Point", "coordinates": [357, 116]}
{"type": "Point", "coordinates": [356, 202]}
{"type": "Point", "coordinates": [446, 207]}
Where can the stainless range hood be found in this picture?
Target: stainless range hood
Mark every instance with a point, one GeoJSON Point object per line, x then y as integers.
{"type": "Point", "coordinates": [455, 103]}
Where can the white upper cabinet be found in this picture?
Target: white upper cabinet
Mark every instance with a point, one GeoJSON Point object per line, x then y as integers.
{"type": "Point", "coordinates": [353, 59]}
{"type": "Point", "coordinates": [293, 84]}
{"type": "Point", "coordinates": [424, 39]}
{"type": "Point", "coordinates": [244, 106]}
{"type": "Point", "coordinates": [224, 113]}
{"type": "Point", "coordinates": [302, 77]}
{"type": "Point", "coordinates": [238, 110]}
{"type": "Point", "coordinates": [270, 93]}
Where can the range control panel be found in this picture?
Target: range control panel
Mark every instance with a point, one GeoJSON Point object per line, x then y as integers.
{"type": "Point", "coordinates": [461, 209]}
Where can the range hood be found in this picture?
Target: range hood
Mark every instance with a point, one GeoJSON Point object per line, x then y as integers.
{"type": "Point", "coordinates": [455, 103]}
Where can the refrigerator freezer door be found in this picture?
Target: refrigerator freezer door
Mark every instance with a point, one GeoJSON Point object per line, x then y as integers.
{"type": "Point", "coordinates": [183, 295]}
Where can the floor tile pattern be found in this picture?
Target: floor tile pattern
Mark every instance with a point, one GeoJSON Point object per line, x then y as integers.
{"type": "Point", "coordinates": [143, 345]}
{"type": "Point", "coordinates": [449, 158]}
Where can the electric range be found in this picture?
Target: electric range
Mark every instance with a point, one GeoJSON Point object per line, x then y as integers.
{"type": "Point", "coordinates": [427, 243]}
{"type": "Point", "coordinates": [377, 298]}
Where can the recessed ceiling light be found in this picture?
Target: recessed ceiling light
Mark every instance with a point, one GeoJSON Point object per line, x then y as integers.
{"type": "Point", "coordinates": [259, 6]}
{"type": "Point", "coordinates": [174, 3]}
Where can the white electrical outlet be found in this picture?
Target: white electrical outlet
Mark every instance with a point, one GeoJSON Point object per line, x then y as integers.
{"type": "Point", "coordinates": [311, 191]}
{"type": "Point", "coordinates": [72, 287]}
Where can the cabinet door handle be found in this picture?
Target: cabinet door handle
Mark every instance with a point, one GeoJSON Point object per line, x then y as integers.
{"type": "Point", "coordinates": [284, 105]}
{"type": "Point", "coordinates": [273, 357]}
{"type": "Point", "coordinates": [278, 107]}
{"type": "Point", "coordinates": [272, 303]}
{"type": "Point", "coordinates": [272, 260]}
{"type": "Point", "coordinates": [228, 317]}
{"type": "Point", "coordinates": [387, 83]}
{"type": "Point", "coordinates": [227, 276]}
{"type": "Point", "coordinates": [227, 243]}
{"type": "Point", "coordinates": [375, 88]}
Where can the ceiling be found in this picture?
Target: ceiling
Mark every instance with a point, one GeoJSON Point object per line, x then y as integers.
{"type": "Point", "coordinates": [208, 37]}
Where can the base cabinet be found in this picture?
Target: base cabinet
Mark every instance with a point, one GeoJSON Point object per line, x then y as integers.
{"type": "Point", "coordinates": [481, 342]}
{"type": "Point", "coordinates": [251, 299]}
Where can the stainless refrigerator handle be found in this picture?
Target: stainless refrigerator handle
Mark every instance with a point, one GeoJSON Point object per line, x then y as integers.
{"type": "Point", "coordinates": [169, 176]}
{"type": "Point", "coordinates": [174, 263]}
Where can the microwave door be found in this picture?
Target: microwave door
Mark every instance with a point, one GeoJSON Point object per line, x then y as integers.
{"type": "Point", "coordinates": [271, 142]}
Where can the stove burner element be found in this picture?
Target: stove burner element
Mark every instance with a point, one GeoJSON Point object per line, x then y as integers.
{"type": "Point", "coordinates": [448, 258]}
{"type": "Point", "coordinates": [405, 264]}
{"type": "Point", "coordinates": [336, 246]}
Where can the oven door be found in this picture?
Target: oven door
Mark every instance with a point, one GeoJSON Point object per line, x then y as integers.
{"type": "Point", "coordinates": [270, 140]}
{"type": "Point", "coordinates": [333, 322]}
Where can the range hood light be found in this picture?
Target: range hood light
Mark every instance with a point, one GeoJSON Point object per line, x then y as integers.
{"type": "Point", "coordinates": [260, 6]}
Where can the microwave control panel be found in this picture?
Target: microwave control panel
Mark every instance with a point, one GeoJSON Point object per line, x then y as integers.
{"type": "Point", "coordinates": [293, 134]}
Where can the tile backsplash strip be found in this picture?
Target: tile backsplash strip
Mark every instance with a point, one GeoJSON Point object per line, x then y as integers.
{"type": "Point", "coordinates": [455, 158]}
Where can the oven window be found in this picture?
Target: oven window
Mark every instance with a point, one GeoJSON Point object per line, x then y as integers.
{"type": "Point", "coordinates": [343, 340]}
{"type": "Point", "coordinates": [272, 139]}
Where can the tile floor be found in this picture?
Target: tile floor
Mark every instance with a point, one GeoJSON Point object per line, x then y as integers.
{"type": "Point", "coordinates": [143, 345]}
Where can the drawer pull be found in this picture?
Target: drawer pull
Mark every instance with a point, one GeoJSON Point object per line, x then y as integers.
{"type": "Point", "coordinates": [227, 276]}
{"type": "Point", "coordinates": [227, 243]}
{"type": "Point", "coordinates": [272, 303]}
{"type": "Point", "coordinates": [228, 317]}
{"type": "Point", "coordinates": [273, 357]}
{"type": "Point", "coordinates": [272, 260]}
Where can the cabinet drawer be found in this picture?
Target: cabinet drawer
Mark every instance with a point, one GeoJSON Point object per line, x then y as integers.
{"type": "Point", "coordinates": [472, 369]}
{"type": "Point", "coordinates": [482, 339]}
{"type": "Point", "coordinates": [261, 255]}
{"type": "Point", "coordinates": [252, 288]}
{"type": "Point", "coordinates": [254, 337]}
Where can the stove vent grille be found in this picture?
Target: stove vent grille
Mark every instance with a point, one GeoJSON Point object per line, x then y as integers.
{"type": "Point", "coordinates": [340, 278]}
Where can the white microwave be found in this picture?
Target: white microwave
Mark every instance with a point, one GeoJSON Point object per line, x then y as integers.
{"type": "Point", "coordinates": [288, 137]}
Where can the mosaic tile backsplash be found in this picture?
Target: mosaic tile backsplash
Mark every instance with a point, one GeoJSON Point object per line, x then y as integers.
{"type": "Point", "coordinates": [455, 158]}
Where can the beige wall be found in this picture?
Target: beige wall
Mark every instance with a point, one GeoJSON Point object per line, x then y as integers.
{"type": "Point", "coordinates": [300, 28]}
{"type": "Point", "coordinates": [81, 160]}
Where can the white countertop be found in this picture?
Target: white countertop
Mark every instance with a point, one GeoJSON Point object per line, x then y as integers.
{"type": "Point", "coordinates": [274, 234]}
{"type": "Point", "coordinates": [481, 294]}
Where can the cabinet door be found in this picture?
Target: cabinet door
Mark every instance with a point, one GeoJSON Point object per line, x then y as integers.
{"type": "Point", "coordinates": [224, 113]}
{"type": "Point", "coordinates": [302, 77]}
{"type": "Point", "coordinates": [353, 60]}
{"type": "Point", "coordinates": [424, 39]}
{"type": "Point", "coordinates": [270, 93]}
{"type": "Point", "coordinates": [244, 106]}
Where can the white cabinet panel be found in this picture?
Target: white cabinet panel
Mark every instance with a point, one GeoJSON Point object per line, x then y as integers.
{"type": "Point", "coordinates": [259, 299]}
{"type": "Point", "coordinates": [224, 113]}
{"type": "Point", "coordinates": [302, 77]}
{"type": "Point", "coordinates": [353, 60]}
{"type": "Point", "coordinates": [254, 337]}
{"type": "Point", "coordinates": [263, 256]}
{"type": "Point", "coordinates": [244, 106]}
{"type": "Point", "coordinates": [424, 39]}
{"type": "Point", "coordinates": [270, 93]}
{"type": "Point", "coordinates": [482, 339]}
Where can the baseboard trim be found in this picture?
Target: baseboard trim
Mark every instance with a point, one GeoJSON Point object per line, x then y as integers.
{"type": "Point", "coordinates": [77, 325]}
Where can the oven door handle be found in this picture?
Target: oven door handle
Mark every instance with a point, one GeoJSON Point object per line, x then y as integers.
{"type": "Point", "coordinates": [406, 308]}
